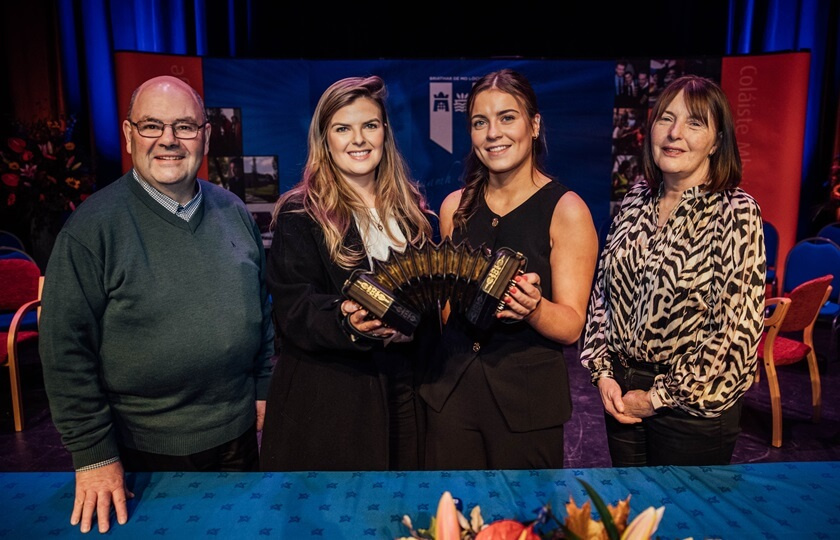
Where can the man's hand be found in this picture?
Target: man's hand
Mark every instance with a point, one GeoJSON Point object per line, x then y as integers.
{"type": "Point", "coordinates": [260, 414]}
{"type": "Point", "coordinates": [96, 490]}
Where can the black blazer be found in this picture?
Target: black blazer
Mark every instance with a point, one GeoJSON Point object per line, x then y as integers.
{"type": "Point", "coordinates": [327, 407]}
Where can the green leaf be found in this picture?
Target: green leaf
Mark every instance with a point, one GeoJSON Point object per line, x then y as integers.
{"type": "Point", "coordinates": [606, 517]}
{"type": "Point", "coordinates": [568, 534]}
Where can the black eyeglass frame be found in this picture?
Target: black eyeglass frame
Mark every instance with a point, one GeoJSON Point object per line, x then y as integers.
{"type": "Point", "coordinates": [163, 129]}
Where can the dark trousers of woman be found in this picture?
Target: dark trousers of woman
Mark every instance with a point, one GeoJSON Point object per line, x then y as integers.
{"type": "Point", "coordinates": [239, 455]}
{"type": "Point", "coordinates": [470, 433]}
{"type": "Point", "coordinates": [405, 434]}
{"type": "Point", "coordinates": [671, 437]}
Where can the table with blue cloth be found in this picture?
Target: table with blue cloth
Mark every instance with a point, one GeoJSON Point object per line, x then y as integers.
{"type": "Point", "coordinates": [766, 500]}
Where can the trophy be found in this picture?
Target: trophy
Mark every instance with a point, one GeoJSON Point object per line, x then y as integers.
{"type": "Point", "coordinates": [421, 279]}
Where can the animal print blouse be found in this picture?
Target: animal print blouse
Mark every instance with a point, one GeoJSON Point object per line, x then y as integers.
{"type": "Point", "coordinates": [690, 295]}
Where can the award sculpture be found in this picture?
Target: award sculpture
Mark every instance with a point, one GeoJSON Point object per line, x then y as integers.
{"type": "Point", "coordinates": [421, 279]}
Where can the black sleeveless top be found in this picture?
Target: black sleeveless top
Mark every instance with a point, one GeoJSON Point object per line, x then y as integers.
{"type": "Point", "coordinates": [523, 229]}
{"type": "Point", "coordinates": [526, 371]}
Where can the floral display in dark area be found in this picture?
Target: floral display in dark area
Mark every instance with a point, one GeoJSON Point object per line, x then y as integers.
{"type": "Point", "coordinates": [451, 524]}
{"type": "Point", "coordinates": [44, 176]}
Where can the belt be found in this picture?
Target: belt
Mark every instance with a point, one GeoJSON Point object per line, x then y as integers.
{"type": "Point", "coordinates": [657, 369]}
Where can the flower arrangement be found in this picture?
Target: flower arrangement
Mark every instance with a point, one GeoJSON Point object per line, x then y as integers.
{"type": "Point", "coordinates": [450, 524]}
{"type": "Point", "coordinates": [42, 176]}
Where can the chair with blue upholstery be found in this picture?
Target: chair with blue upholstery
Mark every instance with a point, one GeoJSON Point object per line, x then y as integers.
{"type": "Point", "coordinates": [14, 253]}
{"type": "Point", "coordinates": [771, 251]}
{"type": "Point", "coordinates": [8, 239]}
{"type": "Point", "coordinates": [831, 231]}
{"type": "Point", "coordinates": [811, 258]}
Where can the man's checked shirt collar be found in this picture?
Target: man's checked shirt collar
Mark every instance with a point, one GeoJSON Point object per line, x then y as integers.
{"type": "Point", "coordinates": [185, 211]}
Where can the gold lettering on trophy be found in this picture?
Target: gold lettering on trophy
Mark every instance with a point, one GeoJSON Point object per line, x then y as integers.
{"type": "Point", "coordinates": [493, 273]}
{"type": "Point", "coordinates": [379, 301]}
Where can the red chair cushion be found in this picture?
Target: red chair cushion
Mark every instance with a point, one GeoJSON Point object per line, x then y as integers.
{"type": "Point", "coordinates": [23, 336]}
{"type": "Point", "coordinates": [785, 351]}
{"type": "Point", "coordinates": [20, 283]}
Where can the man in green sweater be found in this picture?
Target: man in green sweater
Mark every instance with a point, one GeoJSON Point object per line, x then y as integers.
{"type": "Point", "coordinates": [156, 336]}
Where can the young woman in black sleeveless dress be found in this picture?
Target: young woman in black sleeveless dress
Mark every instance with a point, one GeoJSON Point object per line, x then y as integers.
{"type": "Point", "coordinates": [498, 398]}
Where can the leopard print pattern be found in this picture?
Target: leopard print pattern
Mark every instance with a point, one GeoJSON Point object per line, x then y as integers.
{"type": "Point", "coordinates": [690, 295]}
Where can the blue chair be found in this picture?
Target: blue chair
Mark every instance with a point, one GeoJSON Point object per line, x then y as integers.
{"type": "Point", "coordinates": [771, 251]}
{"type": "Point", "coordinates": [11, 240]}
{"type": "Point", "coordinates": [14, 253]}
{"type": "Point", "coordinates": [811, 258]}
{"type": "Point", "coordinates": [831, 231]}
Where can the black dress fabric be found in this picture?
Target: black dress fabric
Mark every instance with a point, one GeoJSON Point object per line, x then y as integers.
{"type": "Point", "coordinates": [525, 372]}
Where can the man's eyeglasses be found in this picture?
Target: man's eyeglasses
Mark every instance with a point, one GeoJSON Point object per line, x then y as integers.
{"type": "Point", "coordinates": [181, 130]}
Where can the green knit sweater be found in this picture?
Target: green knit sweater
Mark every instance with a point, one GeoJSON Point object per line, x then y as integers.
{"type": "Point", "coordinates": [155, 332]}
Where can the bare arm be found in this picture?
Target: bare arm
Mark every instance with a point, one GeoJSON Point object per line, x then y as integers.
{"type": "Point", "coordinates": [574, 252]}
{"type": "Point", "coordinates": [447, 211]}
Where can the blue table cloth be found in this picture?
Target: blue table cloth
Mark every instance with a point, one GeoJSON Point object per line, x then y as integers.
{"type": "Point", "coordinates": [768, 501]}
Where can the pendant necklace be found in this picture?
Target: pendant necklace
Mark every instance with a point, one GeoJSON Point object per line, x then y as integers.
{"type": "Point", "coordinates": [374, 217]}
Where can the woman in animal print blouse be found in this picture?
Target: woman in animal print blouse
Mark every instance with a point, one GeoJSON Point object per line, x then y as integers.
{"type": "Point", "coordinates": [676, 313]}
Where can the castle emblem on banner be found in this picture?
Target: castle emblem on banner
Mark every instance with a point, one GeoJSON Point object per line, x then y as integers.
{"type": "Point", "coordinates": [443, 101]}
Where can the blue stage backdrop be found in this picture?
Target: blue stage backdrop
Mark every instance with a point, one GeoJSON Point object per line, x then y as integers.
{"type": "Point", "coordinates": [276, 98]}
{"type": "Point", "coordinates": [262, 107]}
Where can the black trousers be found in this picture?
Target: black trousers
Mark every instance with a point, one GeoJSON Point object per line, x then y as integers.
{"type": "Point", "coordinates": [672, 437]}
{"type": "Point", "coordinates": [405, 417]}
{"type": "Point", "coordinates": [239, 455]}
{"type": "Point", "coordinates": [470, 433]}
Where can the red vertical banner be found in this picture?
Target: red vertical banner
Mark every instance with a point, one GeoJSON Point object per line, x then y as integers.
{"type": "Point", "coordinates": [769, 95]}
{"type": "Point", "coordinates": [133, 68]}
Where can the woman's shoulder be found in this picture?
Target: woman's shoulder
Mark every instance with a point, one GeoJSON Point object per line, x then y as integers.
{"type": "Point", "coordinates": [290, 203]}
{"type": "Point", "coordinates": [740, 196]}
{"type": "Point", "coordinates": [741, 201]}
{"type": "Point", "coordinates": [453, 199]}
{"type": "Point", "coordinates": [450, 203]}
{"type": "Point", "coordinates": [290, 211]}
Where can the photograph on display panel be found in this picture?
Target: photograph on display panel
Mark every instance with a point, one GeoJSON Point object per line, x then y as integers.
{"type": "Point", "coordinates": [226, 134]}
{"type": "Point", "coordinates": [629, 127]}
{"type": "Point", "coordinates": [227, 171]}
{"type": "Point", "coordinates": [260, 178]}
{"type": "Point", "coordinates": [632, 83]}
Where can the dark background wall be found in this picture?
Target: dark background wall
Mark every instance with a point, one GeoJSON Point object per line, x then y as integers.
{"type": "Point", "coordinates": [588, 29]}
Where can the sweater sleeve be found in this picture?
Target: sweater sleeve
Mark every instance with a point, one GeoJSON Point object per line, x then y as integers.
{"type": "Point", "coordinates": [306, 298]}
{"type": "Point", "coordinates": [73, 303]}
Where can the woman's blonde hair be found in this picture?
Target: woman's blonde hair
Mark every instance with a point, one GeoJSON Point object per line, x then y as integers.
{"type": "Point", "coordinates": [332, 202]}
